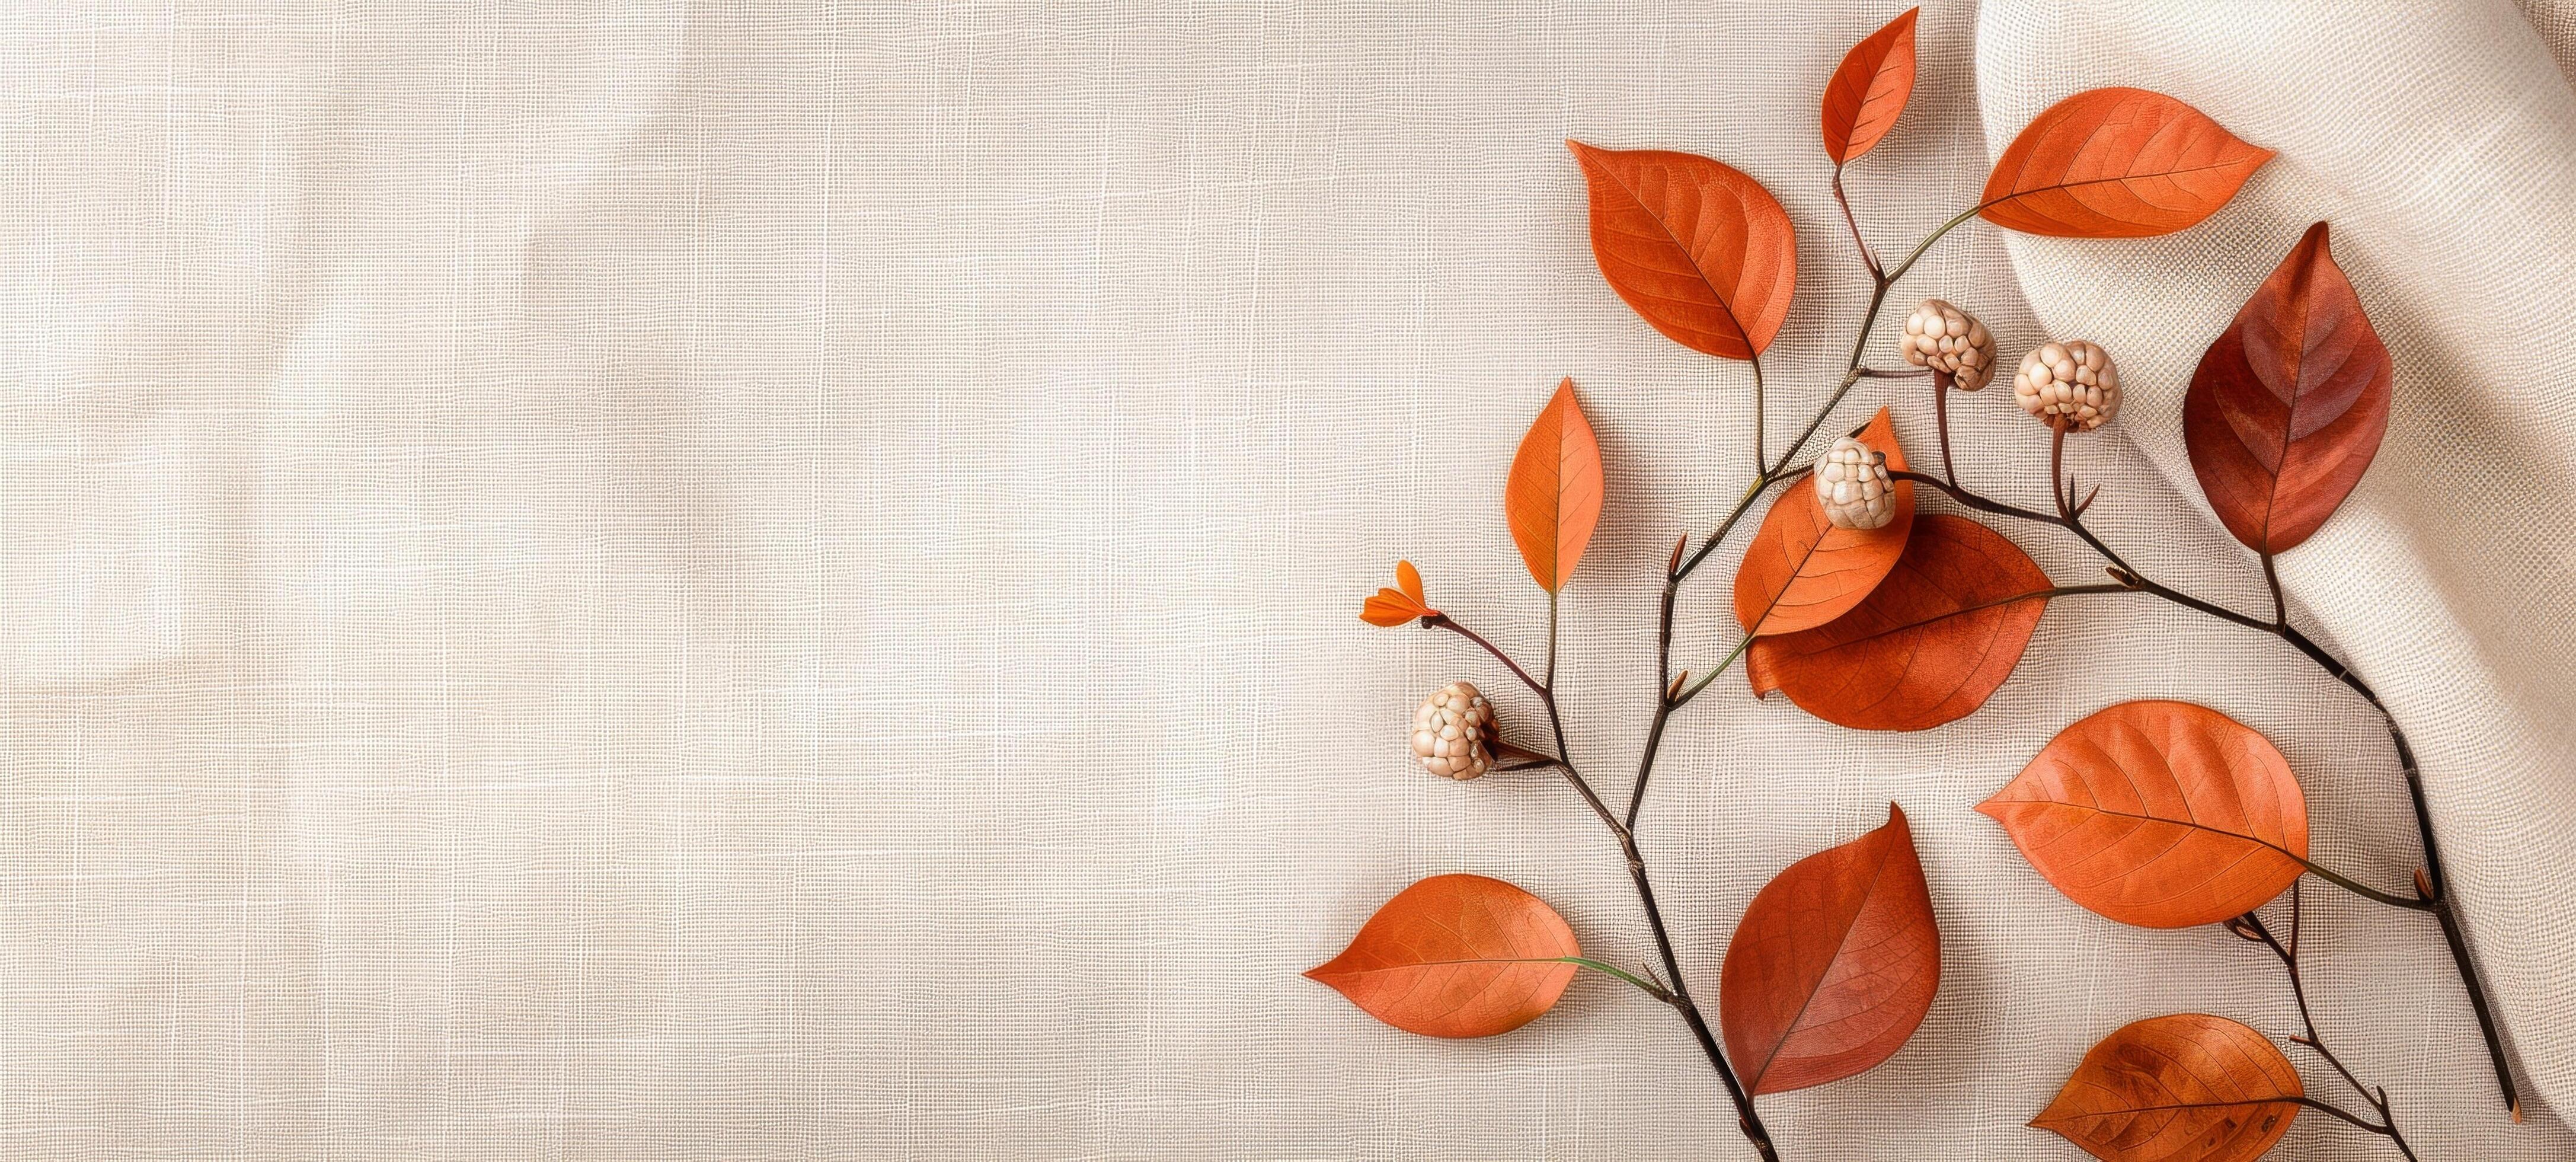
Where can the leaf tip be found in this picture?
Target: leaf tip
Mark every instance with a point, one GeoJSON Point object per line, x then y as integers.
{"type": "Point", "coordinates": [2317, 240]}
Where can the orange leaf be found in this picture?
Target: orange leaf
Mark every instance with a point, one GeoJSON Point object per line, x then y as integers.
{"type": "Point", "coordinates": [2188, 1086]}
{"type": "Point", "coordinates": [1456, 956]}
{"type": "Point", "coordinates": [1929, 646]}
{"type": "Point", "coordinates": [2159, 814]}
{"type": "Point", "coordinates": [1800, 571]}
{"type": "Point", "coordinates": [2117, 163]}
{"type": "Point", "coordinates": [2288, 405]}
{"type": "Point", "coordinates": [1553, 500]}
{"type": "Point", "coordinates": [1834, 964]}
{"type": "Point", "coordinates": [1869, 90]}
{"type": "Point", "coordinates": [1394, 607]}
{"type": "Point", "coordinates": [1703, 252]}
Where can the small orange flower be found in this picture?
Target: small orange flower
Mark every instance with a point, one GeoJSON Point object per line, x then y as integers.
{"type": "Point", "coordinates": [1393, 607]}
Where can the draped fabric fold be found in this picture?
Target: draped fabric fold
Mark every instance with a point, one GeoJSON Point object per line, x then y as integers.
{"type": "Point", "coordinates": [2440, 142]}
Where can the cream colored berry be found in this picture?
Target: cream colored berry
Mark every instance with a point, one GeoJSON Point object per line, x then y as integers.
{"type": "Point", "coordinates": [1942, 336]}
{"type": "Point", "coordinates": [1453, 732]}
{"type": "Point", "coordinates": [2073, 384]}
{"type": "Point", "coordinates": [1852, 482]}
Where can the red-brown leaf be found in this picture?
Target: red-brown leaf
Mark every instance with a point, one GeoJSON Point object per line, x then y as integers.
{"type": "Point", "coordinates": [1867, 93]}
{"type": "Point", "coordinates": [1553, 498]}
{"type": "Point", "coordinates": [1703, 252]}
{"type": "Point", "coordinates": [1456, 956]}
{"type": "Point", "coordinates": [2159, 814]}
{"type": "Point", "coordinates": [1834, 964]}
{"type": "Point", "coordinates": [2289, 403]}
{"type": "Point", "coordinates": [1928, 646]}
{"type": "Point", "coordinates": [2185, 1088]}
{"type": "Point", "coordinates": [1800, 571]}
{"type": "Point", "coordinates": [1393, 607]}
{"type": "Point", "coordinates": [2117, 163]}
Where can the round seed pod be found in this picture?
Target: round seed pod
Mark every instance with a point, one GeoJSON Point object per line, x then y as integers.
{"type": "Point", "coordinates": [1852, 482]}
{"type": "Point", "coordinates": [2071, 385]}
{"type": "Point", "coordinates": [1942, 336]}
{"type": "Point", "coordinates": [1453, 732]}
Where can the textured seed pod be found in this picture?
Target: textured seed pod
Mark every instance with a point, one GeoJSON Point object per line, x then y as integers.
{"type": "Point", "coordinates": [1453, 733]}
{"type": "Point", "coordinates": [1852, 482]}
{"type": "Point", "coordinates": [1943, 336]}
{"type": "Point", "coordinates": [2073, 384]}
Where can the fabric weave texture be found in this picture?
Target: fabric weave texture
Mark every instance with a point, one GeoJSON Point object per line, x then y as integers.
{"type": "Point", "coordinates": [665, 580]}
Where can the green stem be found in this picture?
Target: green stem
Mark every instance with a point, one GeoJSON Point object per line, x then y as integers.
{"type": "Point", "coordinates": [1755, 358]}
{"type": "Point", "coordinates": [1649, 987]}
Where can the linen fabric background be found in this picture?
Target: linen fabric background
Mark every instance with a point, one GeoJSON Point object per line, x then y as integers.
{"type": "Point", "coordinates": [656, 580]}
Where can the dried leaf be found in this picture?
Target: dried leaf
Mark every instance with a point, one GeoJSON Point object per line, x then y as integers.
{"type": "Point", "coordinates": [1456, 956]}
{"type": "Point", "coordinates": [1553, 500]}
{"type": "Point", "coordinates": [1834, 964]}
{"type": "Point", "coordinates": [2159, 814]}
{"type": "Point", "coordinates": [1703, 252]}
{"type": "Point", "coordinates": [2289, 403]}
{"type": "Point", "coordinates": [1800, 571]}
{"type": "Point", "coordinates": [2117, 163]}
{"type": "Point", "coordinates": [1869, 90]}
{"type": "Point", "coordinates": [1928, 646]}
{"type": "Point", "coordinates": [2185, 1088]}
{"type": "Point", "coordinates": [1393, 607]}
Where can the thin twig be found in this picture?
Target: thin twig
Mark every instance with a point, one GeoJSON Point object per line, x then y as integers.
{"type": "Point", "coordinates": [2432, 894]}
{"type": "Point", "coordinates": [1680, 999]}
{"type": "Point", "coordinates": [2251, 926]}
{"type": "Point", "coordinates": [1444, 621]}
{"type": "Point", "coordinates": [1866, 258]}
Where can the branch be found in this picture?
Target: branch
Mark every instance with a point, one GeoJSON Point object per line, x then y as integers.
{"type": "Point", "coordinates": [2432, 894]}
{"type": "Point", "coordinates": [2250, 926]}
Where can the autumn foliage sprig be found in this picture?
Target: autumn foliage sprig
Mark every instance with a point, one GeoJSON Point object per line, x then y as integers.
{"type": "Point", "coordinates": [1868, 614]}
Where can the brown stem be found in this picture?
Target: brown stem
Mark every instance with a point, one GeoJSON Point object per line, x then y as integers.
{"type": "Point", "coordinates": [1680, 999]}
{"type": "Point", "coordinates": [2063, 496]}
{"type": "Point", "coordinates": [2388, 1132]}
{"type": "Point", "coordinates": [2433, 894]}
{"type": "Point", "coordinates": [1941, 420]}
{"type": "Point", "coordinates": [2280, 604]}
{"type": "Point", "coordinates": [1746, 1119]}
{"type": "Point", "coordinates": [2250, 925]}
{"type": "Point", "coordinates": [2458, 941]}
{"type": "Point", "coordinates": [1750, 1121]}
{"type": "Point", "coordinates": [1866, 258]}
{"type": "Point", "coordinates": [1444, 621]}
{"type": "Point", "coordinates": [1743, 505]}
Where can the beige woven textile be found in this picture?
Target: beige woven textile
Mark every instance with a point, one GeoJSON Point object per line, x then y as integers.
{"type": "Point", "coordinates": [711, 581]}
